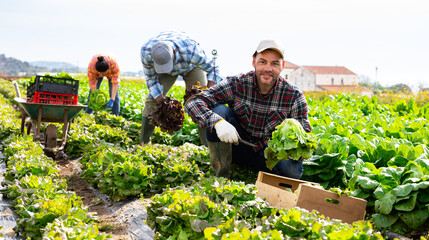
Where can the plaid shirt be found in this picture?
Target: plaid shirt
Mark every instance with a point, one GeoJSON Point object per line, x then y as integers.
{"type": "Point", "coordinates": [188, 54]}
{"type": "Point", "coordinates": [112, 72]}
{"type": "Point", "coordinates": [258, 114]}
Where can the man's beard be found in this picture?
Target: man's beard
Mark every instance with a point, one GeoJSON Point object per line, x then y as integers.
{"type": "Point", "coordinates": [269, 73]}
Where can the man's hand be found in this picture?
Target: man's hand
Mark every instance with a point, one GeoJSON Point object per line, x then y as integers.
{"type": "Point", "coordinates": [159, 98]}
{"type": "Point", "coordinates": [109, 104]}
{"type": "Point", "coordinates": [226, 132]}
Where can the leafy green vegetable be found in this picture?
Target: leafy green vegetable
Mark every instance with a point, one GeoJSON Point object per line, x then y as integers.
{"type": "Point", "coordinates": [293, 223]}
{"type": "Point", "coordinates": [9, 121]}
{"type": "Point", "coordinates": [289, 141]}
{"type": "Point", "coordinates": [75, 225]}
{"type": "Point", "coordinates": [97, 100]}
{"type": "Point", "coordinates": [39, 196]}
{"type": "Point", "coordinates": [62, 75]}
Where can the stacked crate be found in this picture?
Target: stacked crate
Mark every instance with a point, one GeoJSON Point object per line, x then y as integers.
{"type": "Point", "coordinates": [53, 90]}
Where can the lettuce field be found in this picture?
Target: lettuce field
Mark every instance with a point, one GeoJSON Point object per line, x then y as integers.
{"type": "Point", "coordinates": [374, 148]}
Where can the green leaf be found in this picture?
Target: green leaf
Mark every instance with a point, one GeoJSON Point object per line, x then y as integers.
{"type": "Point", "coordinates": [380, 191]}
{"type": "Point", "coordinates": [423, 196]}
{"type": "Point", "coordinates": [424, 163]}
{"type": "Point", "coordinates": [357, 141]}
{"type": "Point", "coordinates": [328, 175]}
{"type": "Point", "coordinates": [367, 183]}
{"type": "Point", "coordinates": [403, 190]}
{"type": "Point", "coordinates": [414, 219]}
{"type": "Point", "coordinates": [383, 220]}
{"type": "Point", "coordinates": [408, 204]}
{"type": "Point", "coordinates": [350, 165]}
{"type": "Point", "coordinates": [405, 151]}
{"type": "Point", "coordinates": [359, 193]}
{"type": "Point", "coordinates": [391, 177]}
{"type": "Point", "coordinates": [398, 161]}
{"type": "Point", "coordinates": [384, 205]}
{"type": "Point", "coordinates": [420, 185]}
{"type": "Point", "coordinates": [182, 235]}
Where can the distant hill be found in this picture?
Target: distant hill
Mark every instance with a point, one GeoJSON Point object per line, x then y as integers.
{"type": "Point", "coordinates": [14, 67]}
{"type": "Point", "coordinates": [56, 66]}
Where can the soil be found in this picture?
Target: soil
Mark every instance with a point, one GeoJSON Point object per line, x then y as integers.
{"type": "Point", "coordinates": [108, 222]}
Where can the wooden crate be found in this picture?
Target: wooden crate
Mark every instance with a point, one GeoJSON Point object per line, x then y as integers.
{"type": "Point", "coordinates": [310, 196]}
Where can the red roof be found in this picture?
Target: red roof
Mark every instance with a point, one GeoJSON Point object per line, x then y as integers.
{"type": "Point", "coordinates": [290, 65]}
{"type": "Point", "coordinates": [329, 70]}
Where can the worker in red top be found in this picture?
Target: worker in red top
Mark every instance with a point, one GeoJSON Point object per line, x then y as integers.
{"type": "Point", "coordinates": [105, 65]}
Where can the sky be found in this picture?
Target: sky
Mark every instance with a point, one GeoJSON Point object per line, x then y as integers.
{"type": "Point", "coordinates": [384, 41]}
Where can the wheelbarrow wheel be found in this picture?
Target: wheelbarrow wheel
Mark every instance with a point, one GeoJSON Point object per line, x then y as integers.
{"type": "Point", "coordinates": [51, 136]}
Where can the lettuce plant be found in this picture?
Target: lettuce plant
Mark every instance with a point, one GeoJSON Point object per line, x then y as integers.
{"type": "Point", "coordinates": [289, 141]}
{"type": "Point", "coordinates": [97, 100]}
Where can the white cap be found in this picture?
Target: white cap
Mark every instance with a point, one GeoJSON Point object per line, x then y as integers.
{"type": "Point", "coordinates": [270, 44]}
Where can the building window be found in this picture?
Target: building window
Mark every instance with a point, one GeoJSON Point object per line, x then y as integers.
{"type": "Point", "coordinates": [342, 81]}
{"type": "Point", "coordinates": [332, 81]}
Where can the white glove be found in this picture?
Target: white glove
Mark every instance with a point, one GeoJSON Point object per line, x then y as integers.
{"type": "Point", "coordinates": [226, 132]}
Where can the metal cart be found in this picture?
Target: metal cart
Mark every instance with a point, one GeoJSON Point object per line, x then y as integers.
{"type": "Point", "coordinates": [34, 114]}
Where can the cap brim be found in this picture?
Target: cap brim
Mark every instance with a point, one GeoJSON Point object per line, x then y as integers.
{"type": "Point", "coordinates": [164, 68]}
{"type": "Point", "coordinates": [277, 50]}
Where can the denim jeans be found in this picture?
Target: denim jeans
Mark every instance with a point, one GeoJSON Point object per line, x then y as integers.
{"type": "Point", "coordinates": [116, 105]}
{"type": "Point", "coordinates": [244, 155]}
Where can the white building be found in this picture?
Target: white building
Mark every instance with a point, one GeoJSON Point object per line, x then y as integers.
{"type": "Point", "coordinates": [323, 78]}
{"type": "Point", "coordinates": [310, 78]}
{"type": "Point", "coordinates": [288, 69]}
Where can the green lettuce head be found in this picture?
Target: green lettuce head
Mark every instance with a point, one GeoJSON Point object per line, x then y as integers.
{"type": "Point", "coordinates": [97, 100]}
{"type": "Point", "coordinates": [289, 141]}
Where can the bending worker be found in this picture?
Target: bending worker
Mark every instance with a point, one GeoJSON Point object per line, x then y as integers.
{"type": "Point", "coordinates": [164, 58]}
{"type": "Point", "coordinates": [257, 101]}
{"type": "Point", "coordinates": [105, 65]}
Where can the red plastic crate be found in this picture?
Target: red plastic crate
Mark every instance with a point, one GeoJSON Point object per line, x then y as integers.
{"type": "Point", "coordinates": [53, 98]}
{"type": "Point", "coordinates": [50, 84]}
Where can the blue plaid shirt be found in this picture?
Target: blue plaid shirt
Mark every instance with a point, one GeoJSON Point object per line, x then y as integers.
{"type": "Point", "coordinates": [258, 114]}
{"type": "Point", "coordinates": [188, 54]}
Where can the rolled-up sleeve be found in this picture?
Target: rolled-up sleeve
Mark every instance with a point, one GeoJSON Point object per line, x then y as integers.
{"type": "Point", "coordinates": [199, 107]}
{"type": "Point", "coordinates": [154, 87]}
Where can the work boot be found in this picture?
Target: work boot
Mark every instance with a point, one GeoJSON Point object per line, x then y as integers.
{"type": "Point", "coordinates": [221, 158]}
{"type": "Point", "coordinates": [202, 134]}
{"type": "Point", "coordinates": [146, 131]}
